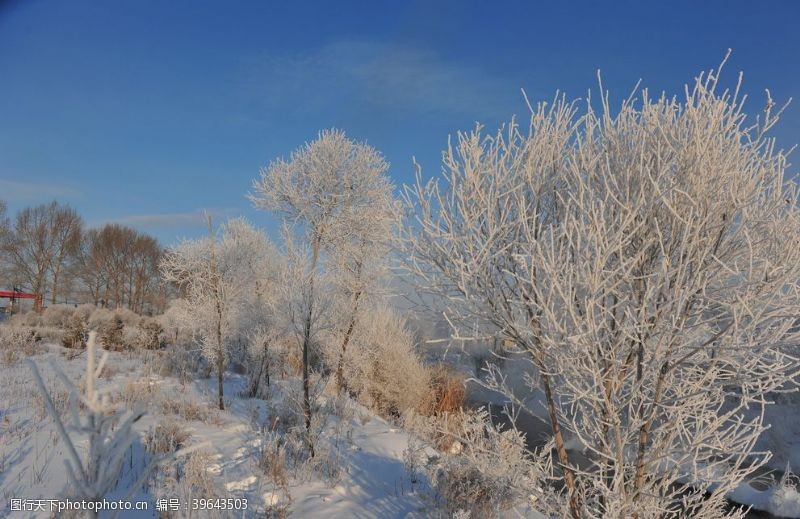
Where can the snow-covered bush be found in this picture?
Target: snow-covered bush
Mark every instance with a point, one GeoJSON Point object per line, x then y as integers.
{"type": "Point", "coordinates": [112, 333]}
{"type": "Point", "coordinates": [128, 317]}
{"type": "Point", "coordinates": [75, 332]}
{"type": "Point", "coordinates": [383, 367]}
{"type": "Point", "coordinates": [271, 458]}
{"type": "Point", "coordinates": [136, 392]}
{"type": "Point", "coordinates": [57, 316]}
{"type": "Point", "coordinates": [784, 499]}
{"type": "Point", "coordinates": [30, 318]}
{"type": "Point", "coordinates": [16, 342]}
{"type": "Point", "coordinates": [487, 474]}
{"type": "Point", "coordinates": [187, 409]}
{"type": "Point", "coordinates": [85, 311]}
{"type": "Point", "coordinates": [176, 323]}
{"type": "Point", "coordinates": [197, 481]}
{"type": "Point", "coordinates": [151, 334]}
{"type": "Point", "coordinates": [447, 391]}
{"type": "Point", "coordinates": [186, 364]}
{"type": "Point", "coordinates": [99, 318]}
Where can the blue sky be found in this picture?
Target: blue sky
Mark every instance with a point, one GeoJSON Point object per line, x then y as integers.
{"type": "Point", "coordinates": [146, 112]}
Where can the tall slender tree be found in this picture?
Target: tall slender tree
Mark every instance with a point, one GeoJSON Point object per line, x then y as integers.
{"type": "Point", "coordinates": [217, 275]}
{"type": "Point", "coordinates": [67, 228]}
{"type": "Point", "coordinates": [323, 192]}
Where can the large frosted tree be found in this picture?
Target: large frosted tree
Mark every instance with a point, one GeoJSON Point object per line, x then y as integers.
{"type": "Point", "coordinates": [326, 192]}
{"type": "Point", "coordinates": [644, 263]}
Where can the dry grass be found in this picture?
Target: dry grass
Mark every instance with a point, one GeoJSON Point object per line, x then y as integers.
{"type": "Point", "coordinates": [447, 392]}
{"type": "Point", "coordinates": [17, 342]}
{"type": "Point", "coordinates": [166, 438]}
{"type": "Point", "coordinates": [197, 478]}
{"type": "Point", "coordinates": [294, 362]}
{"type": "Point", "coordinates": [271, 460]}
{"type": "Point", "coordinates": [190, 411]}
{"type": "Point", "coordinates": [137, 391]}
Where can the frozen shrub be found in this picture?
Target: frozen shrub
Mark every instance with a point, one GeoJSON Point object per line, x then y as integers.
{"type": "Point", "coordinates": [151, 334]}
{"type": "Point", "coordinates": [48, 334]}
{"type": "Point", "coordinates": [184, 364]}
{"type": "Point", "coordinates": [650, 280]}
{"type": "Point", "coordinates": [99, 318]}
{"type": "Point", "coordinates": [16, 342]}
{"type": "Point", "coordinates": [383, 367]}
{"type": "Point", "coordinates": [440, 431]}
{"type": "Point", "coordinates": [31, 318]}
{"type": "Point", "coordinates": [176, 323]}
{"type": "Point", "coordinates": [111, 334]}
{"type": "Point", "coordinates": [75, 333]}
{"type": "Point", "coordinates": [784, 500]}
{"type": "Point", "coordinates": [262, 357]}
{"type": "Point", "coordinates": [84, 311]}
{"type": "Point", "coordinates": [128, 317]}
{"type": "Point", "coordinates": [57, 316]}
{"type": "Point", "coordinates": [131, 337]}
{"type": "Point", "coordinates": [490, 472]}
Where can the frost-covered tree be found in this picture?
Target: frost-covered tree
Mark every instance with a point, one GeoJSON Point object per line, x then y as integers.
{"type": "Point", "coordinates": [324, 191]}
{"type": "Point", "coordinates": [359, 265]}
{"type": "Point", "coordinates": [219, 274]}
{"type": "Point", "coordinates": [645, 264]}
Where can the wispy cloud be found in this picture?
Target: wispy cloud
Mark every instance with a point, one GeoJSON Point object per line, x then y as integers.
{"type": "Point", "coordinates": [377, 74]}
{"type": "Point", "coordinates": [171, 220]}
{"type": "Point", "coordinates": [13, 191]}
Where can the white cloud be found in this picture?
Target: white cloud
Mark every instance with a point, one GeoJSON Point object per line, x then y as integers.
{"type": "Point", "coordinates": [403, 78]}
{"type": "Point", "coordinates": [162, 220]}
{"type": "Point", "coordinates": [14, 191]}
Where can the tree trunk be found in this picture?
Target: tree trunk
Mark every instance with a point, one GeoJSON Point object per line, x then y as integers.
{"type": "Point", "coordinates": [306, 397]}
{"type": "Point", "coordinates": [220, 359]}
{"type": "Point", "coordinates": [307, 345]}
{"type": "Point", "coordinates": [644, 434]}
{"type": "Point", "coordinates": [266, 361]}
{"type": "Point", "coordinates": [55, 284]}
{"type": "Point", "coordinates": [262, 367]}
{"type": "Point", "coordinates": [561, 449]}
{"type": "Point", "coordinates": [340, 384]}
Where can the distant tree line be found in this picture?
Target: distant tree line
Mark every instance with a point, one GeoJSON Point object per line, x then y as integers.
{"type": "Point", "coordinates": [46, 249]}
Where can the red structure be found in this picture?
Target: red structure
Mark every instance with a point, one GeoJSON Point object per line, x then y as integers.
{"type": "Point", "coordinates": [14, 295]}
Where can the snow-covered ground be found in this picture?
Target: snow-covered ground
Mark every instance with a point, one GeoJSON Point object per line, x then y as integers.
{"type": "Point", "coordinates": [361, 469]}
{"type": "Point", "coordinates": [367, 477]}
